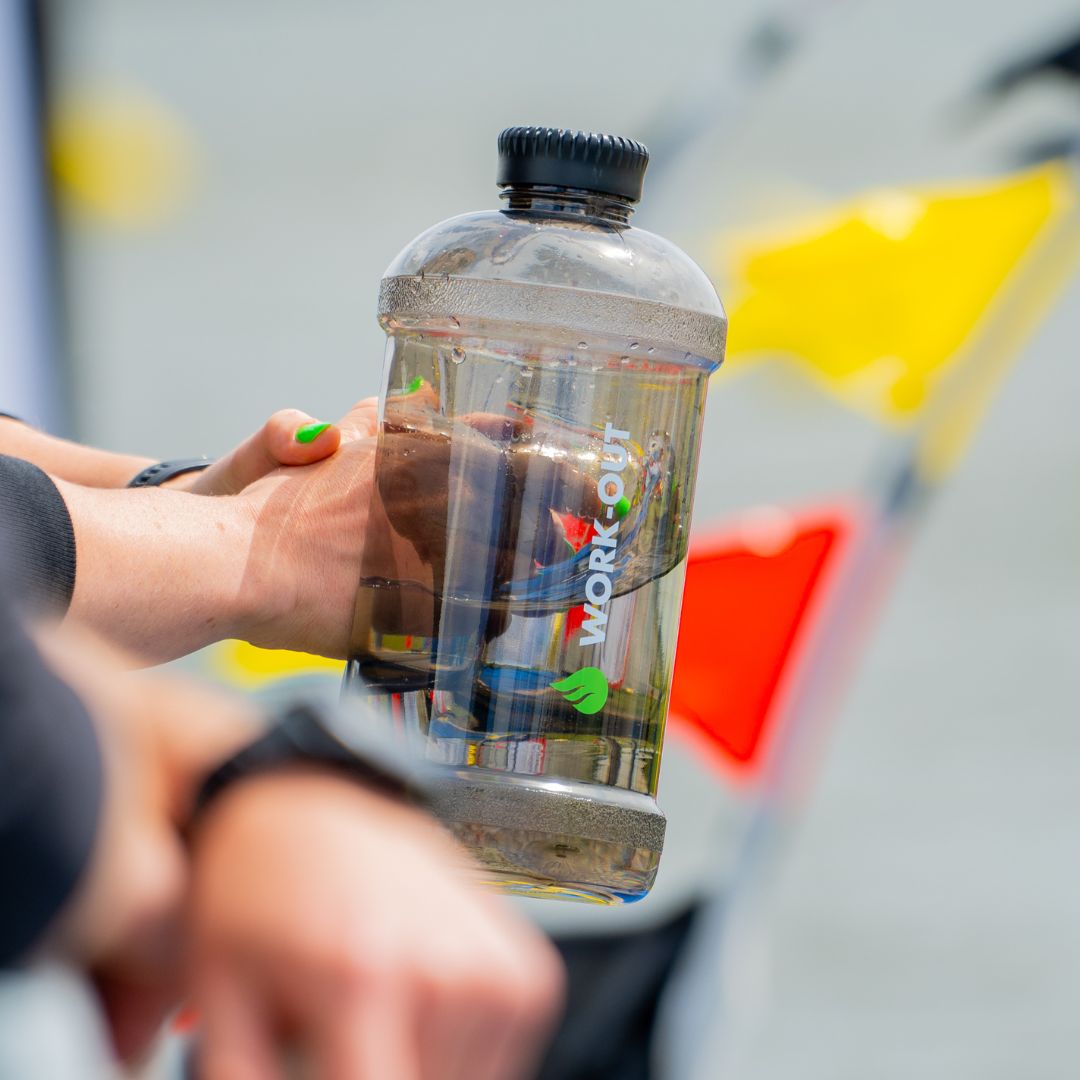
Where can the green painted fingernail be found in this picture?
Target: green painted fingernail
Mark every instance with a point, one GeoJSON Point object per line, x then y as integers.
{"type": "Point", "coordinates": [310, 432]}
{"type": "Point", "coordinates": [622, 508]}
{"type": "Point", "coordinates": [414, 385]}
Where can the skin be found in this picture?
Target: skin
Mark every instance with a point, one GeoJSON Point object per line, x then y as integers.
{"type": "Point", "coordinates": [257, 562]}
{"type": "Point", "coordinates": [397, 967]}
{"type": "Point", "coordinates": [163, 572]}
{"type": "Point", "coordinates": [274, 558]}
{"type": "Point", "coordinates": [475, 498]}
{"type": "Point", "coordinates": [427, 462]}
{"type": "Point", "coordinates": [274, 444]}
{"type": "Point", "coordinates": [298, 918]}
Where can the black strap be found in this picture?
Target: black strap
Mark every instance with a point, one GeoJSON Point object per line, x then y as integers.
{"type": "Point", "coordinates": [300, 738]}
{"type": "Point", "coordinates": [155, 475]}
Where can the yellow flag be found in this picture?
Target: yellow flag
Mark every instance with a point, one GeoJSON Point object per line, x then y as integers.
{"type": "Point", "coordinates": [879, 297]}
{"type": "Point", "coordinates": [247, 667]}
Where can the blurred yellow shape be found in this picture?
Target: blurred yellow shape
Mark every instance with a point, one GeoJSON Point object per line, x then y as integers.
{"type": "Point", "coordinates": [120, 157]}
{"type": "Point", "coordinates": [878, 296]}
{"type": "Point", "coordinates": [968, 387]}
{"type": "Point", "coordinates": [248, 667]}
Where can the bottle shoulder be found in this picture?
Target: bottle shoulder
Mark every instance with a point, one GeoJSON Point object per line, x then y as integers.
{"type": "Point", "coordinates": [528, 248]}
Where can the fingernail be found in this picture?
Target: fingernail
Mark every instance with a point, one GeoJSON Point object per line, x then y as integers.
{"type": "Point", "coordinates": [414, 385]}
{"type": "Point", "coordinates": [310, 432]}
{"type": "Point", "coordinates": [622, 508]}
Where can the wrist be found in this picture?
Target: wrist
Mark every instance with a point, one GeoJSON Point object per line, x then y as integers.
{"type": "Point", "coordinates": [280, 802]}
{"type": "Point", "coordinates": [327, 738]}
{"type": "Point", "coordinates": [264, 608]}
{"type": "Point", "coordinates": [160, 473]}
{"type": "Point", "coordinates": [249, 594]}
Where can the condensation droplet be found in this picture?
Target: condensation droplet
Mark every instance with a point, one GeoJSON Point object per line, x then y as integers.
{"type": "Point", "coordinates": [457, 355]}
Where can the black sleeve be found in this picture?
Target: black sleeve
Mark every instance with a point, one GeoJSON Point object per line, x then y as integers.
{"type": "Point", "coordinates": [39, 548]}
{"type": "Point", "coordinates": [50, 790]}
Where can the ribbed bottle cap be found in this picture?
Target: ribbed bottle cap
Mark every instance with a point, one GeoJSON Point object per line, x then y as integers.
{"type": "Point", "coordinates": [607, 164]}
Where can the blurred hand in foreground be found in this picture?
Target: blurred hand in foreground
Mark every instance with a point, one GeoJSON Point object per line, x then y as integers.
{"type": "Point", "coordinates": [159, 735]}
{"type": "Point", "coordinates": [332, 922]}
{"type": "Point", "coordinates": [309, 914]}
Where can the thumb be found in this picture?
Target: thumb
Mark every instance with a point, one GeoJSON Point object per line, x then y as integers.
{"type": "Point", "coordinates": [237, 1040]}
{"type": "Point", "coordinates": [289, 437]}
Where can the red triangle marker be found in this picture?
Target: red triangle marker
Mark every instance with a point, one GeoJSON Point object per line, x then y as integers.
{"type": "Point", "coordinates": [754, 591]}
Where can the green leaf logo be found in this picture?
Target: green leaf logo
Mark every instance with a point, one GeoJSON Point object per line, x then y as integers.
{"type": "Point", "coordinates": [586, 690]}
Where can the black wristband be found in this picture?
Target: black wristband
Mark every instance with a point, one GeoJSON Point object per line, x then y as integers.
{"type": "Point", "coordinates": [304, 736]}
{"type": "Point", "coordinates": [154, 475]}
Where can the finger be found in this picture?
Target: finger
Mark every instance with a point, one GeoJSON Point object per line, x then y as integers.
{"type": "Point", "coordinates": [462, 1043]}
{"type": "Point", "coordinates": [495, 426]}
{"type": "Point", "coordinates": [531, 1005]}
{"type": "Point", "coordinates": [361, 421]}
{"type": "Point", "coordinates": [237, 1041]}
{"type": "Point", "coordinates": [280, 441]}
{"type": "Point", "coordinates": [451, 1020]}
{"type": "Point", "coordinates": [368, 1036]}
{"type": "Point", "coordinates": [135, 1014]}
{"type": "Point", "coordinates": [512, 1051]}
{"type": "Point", "coordinates": [294, 438]}
{"type": "Point", "coordinates": [364, 406]}
{"type": "Point", "coordinates": [491, 1033]}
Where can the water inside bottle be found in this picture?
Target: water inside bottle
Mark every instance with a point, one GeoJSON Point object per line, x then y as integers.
{"type": "Point", "coordinates": [519, 618]}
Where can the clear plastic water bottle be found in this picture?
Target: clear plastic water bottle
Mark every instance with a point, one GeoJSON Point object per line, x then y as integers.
{"type": "Point", "coordinates": [545, 375]}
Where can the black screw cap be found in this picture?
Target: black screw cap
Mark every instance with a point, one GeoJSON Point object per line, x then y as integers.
{"type": "Point", "coordinates": [555, 157]}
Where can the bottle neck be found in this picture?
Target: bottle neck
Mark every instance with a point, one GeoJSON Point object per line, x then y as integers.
{"type": "Point", "coordinates": [571, 202]}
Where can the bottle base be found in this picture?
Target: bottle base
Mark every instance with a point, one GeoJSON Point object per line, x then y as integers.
{"type": "Point", "coordinates": [559, 841]}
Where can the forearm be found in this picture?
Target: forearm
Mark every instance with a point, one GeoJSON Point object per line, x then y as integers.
{"type": "Point", "coordinates": [69, 461]}
{"type": "Point", "coordinates": [162, 573]}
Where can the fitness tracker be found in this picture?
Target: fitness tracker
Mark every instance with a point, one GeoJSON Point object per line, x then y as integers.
{"type": "Point", "coordinates": [155, 475]}
{"type": "Point", "coordinates": [320, 735]}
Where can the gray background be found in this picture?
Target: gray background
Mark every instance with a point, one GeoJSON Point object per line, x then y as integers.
{"type": "Point", "coordinates": [928, 921]}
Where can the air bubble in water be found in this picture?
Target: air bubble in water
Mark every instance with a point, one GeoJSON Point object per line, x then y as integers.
{"type": "Point", "coordinates": [633, 345]}
{"type": "Point", "coordinates": [582, 344]}
{"type": "Point", "coordinates": [457, 355]}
